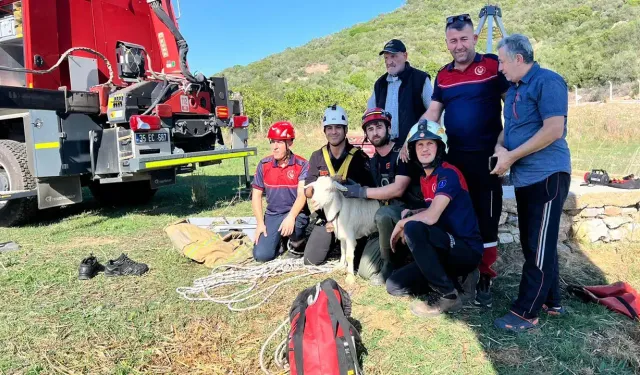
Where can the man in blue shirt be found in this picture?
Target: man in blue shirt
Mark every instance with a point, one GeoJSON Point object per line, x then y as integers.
{"type": "Point", "coordinates": [444, 238]}
{"type": "Point", "coordinates": [533, 145]}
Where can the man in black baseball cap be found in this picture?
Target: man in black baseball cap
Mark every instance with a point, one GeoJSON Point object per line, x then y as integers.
{"type": "Point", "coordinates": [393, 46]}
{"type": "Point", "coordinates": [406, 105]}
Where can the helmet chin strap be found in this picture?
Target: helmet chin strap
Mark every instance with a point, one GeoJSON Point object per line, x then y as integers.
{"type": "Point", "coordinates": [286, 155]}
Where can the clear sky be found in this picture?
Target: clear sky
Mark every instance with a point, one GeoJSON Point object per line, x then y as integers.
{"type": "Point", "coordinates": [224, 33]}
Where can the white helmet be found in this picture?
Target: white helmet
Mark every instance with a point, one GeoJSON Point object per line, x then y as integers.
{"type": "Point", "coordinates": [335, 115]}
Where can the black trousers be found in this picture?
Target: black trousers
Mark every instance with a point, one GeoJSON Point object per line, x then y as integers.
{"type": "Point", "coordinates": [321, 242]}
{"type": "Point", "coordinates": [439, 259]}
{"type": "Point", "coordinates": [539, 211]}
{"type": "Point", "coordinates": [485, 190]}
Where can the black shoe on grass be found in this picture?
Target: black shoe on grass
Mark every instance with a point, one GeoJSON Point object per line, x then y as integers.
{"type": "Point", "coordinates": [89, 267]}
{"type": "Point", "coordinates": [123, 266]}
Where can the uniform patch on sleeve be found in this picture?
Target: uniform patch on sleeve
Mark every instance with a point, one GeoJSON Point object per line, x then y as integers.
{"type": "Point", "coordinates": [442, 184]}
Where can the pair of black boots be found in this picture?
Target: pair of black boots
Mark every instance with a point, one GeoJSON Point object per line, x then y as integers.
{"type": "Point", "coordinates": [122, 266]}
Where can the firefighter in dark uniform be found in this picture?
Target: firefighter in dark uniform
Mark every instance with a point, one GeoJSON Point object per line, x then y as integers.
{"type": "Point", "coordinates": [395, 188]}
{"type": "Point", "coordinates": [469, 91]}
{"type": "Point", "coordinates": [342, 161]}
{"type": "Point", "coordinates": [444, 239]}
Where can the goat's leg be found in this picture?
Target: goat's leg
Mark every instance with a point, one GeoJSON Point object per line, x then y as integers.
{"type": "Point", "coordinates": [350, 249]}
{"type": "Point", "coordinates": [343, 255]}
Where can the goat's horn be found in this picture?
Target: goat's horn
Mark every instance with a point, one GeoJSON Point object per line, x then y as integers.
{"type": "Point", "coordinates": [339, 186]}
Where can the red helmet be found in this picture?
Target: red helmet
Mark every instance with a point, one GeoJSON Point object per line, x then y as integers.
{"type": "Point", "coordinates": [281, 131]}
{"type": "Point", "coordinates": [373, 114]}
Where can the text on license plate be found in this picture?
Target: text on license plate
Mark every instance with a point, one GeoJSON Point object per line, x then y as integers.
{"type": "Point", "coordinates": [151, 137]}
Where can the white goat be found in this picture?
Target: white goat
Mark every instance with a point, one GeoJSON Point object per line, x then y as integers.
{"type": "Point", "coordinates": [352, 218]}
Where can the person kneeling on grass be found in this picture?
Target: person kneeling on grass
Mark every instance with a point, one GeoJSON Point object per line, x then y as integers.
{"type": "Point", "coordinates": [281, 177]}
{"type": "Point", "coordinates": [444, 239]}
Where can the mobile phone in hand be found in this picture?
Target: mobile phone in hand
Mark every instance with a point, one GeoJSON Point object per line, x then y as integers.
{"type": "Point", "coordinates": [493, 160]}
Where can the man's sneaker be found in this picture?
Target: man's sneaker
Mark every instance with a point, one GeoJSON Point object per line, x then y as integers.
{"type": "Point", "coordinates": [435, 305]}
{"type": "Point", "coordinates": [123, 266]}
{"type": "Point", "coordinates": [515, 323]}
{"type": "Point", "coordinates": [291, 254]}
{"type": "Point", "coordinates": [377, 280]}
{"type": "Point", "coordinates": [484, 298]}
{"type": "Point", "coordinates": [554, 311]}
{"type": "Point", "coordinates": [292, 249]}
{"type": "Point", "coordinates": [89, 267]}
{"type": "Point", "coordinates": [469, 284]}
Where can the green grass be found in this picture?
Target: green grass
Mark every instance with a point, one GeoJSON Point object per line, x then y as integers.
{"type": "Point", "coordinates": [605, 136]}
{"type": "Point", "coordinates": [52, 323]}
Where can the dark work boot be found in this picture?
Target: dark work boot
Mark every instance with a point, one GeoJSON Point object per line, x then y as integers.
{"type": "Point", "coordinates": [123, 266]}
{"type": "Point", "coordinates": [484, 298]}
{"type": "Point", "coordinates": [436, 304]}
{"type": "Point", "coordinates": [469, 284]}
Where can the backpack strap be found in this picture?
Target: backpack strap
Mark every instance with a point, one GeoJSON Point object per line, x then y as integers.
{"type": "Point", "coordinates": [632, 311]}
{"type": "Point", "coordinates": [348, 329]}
{"type": "Point", "coordinates": [297, 341]}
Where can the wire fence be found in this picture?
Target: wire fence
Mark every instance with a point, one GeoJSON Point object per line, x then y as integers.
{"type": "Point", "coordinates": [627, 92]}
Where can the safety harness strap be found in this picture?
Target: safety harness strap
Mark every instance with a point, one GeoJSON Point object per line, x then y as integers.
{"type": "Point", "coordinates": [344, 168]}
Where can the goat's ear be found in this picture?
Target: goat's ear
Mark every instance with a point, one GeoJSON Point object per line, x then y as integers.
{"type": "Point", "coordinates": [310, 184]}
{"type": "Point", "coordinates": [339, 186]}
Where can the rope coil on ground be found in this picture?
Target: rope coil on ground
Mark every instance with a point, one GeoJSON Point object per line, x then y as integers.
{"type": "Point", "coordinates": [252, 277]}
{"type": "Point", "coordinates": [279, 355]}
{"type": "Point", "coordinates": [250, 280]}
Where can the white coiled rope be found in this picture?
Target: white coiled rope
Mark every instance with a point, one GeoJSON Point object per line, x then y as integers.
{"type": "Point", "coordinates": [250, 280]}
{"type": "Point", "coordinates": [279, 355]}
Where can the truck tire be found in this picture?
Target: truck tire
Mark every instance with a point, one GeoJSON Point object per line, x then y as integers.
{"type": "Point", "coordinates": [15, 175]}
{"type": "Point", "coordinates": [123, 193]}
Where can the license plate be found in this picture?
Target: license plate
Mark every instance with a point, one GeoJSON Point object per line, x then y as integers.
{"type": "Point", "coordinates": [151, 137]}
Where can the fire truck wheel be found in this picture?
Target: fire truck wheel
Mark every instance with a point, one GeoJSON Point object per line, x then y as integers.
{"type": "Point", "coordinates": [123, 193]}
{"type": "Point", "coordinates": [15, 175]}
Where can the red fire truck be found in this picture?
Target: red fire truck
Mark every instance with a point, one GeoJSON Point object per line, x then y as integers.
{"type": "Point", "coordinates": [98, 93]}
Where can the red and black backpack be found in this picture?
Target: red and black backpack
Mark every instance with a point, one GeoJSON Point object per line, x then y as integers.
{"type": "Point", "coordinates": [322, 341]}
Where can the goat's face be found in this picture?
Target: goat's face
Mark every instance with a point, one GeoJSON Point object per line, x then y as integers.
{"type": "Point", "coordinates": [325, 190]}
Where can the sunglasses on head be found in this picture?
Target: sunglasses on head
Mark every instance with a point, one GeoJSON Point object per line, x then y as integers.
{"type": "Point", "coordinates": [460, 17]}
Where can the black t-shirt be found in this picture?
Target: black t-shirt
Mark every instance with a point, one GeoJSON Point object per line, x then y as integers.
{"type": "Point", "coordinates": [359, 169]}
{"type": "Point", "coordinates": [386, 168]}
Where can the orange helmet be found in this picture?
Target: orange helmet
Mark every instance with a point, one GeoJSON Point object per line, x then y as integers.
{"type": "Point", "coordinates": [281, 131]}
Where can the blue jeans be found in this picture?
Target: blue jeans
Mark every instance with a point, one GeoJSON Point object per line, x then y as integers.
{"type": "Point", "coordinates": [268, 247]}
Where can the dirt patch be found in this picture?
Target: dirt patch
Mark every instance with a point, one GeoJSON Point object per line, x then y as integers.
{"type": "Point", "coordinates": [510, 357]}
{"type": "Point", "coordinates": [316, 68]}
{"type": "Point", "coordinates": [206, 347]}
{"type": "Point", "coordinates": [376, 319]}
